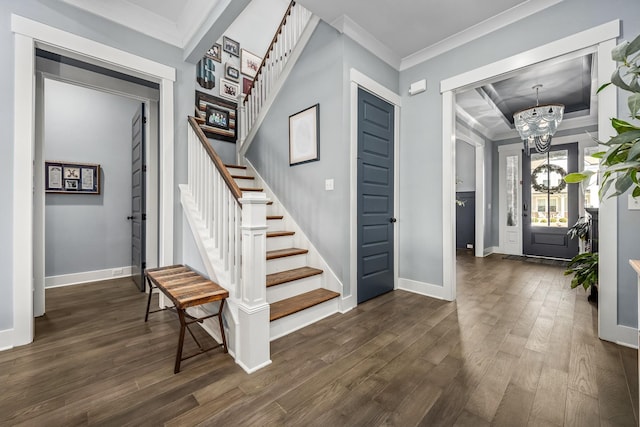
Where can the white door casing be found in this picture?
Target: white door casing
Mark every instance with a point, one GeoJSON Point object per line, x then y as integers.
{"type": "Point", "coordinates": [510, 234]}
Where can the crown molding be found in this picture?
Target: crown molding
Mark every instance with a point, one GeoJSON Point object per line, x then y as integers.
{"type": "Point", "coordinates": [347, 26]}
{"type": "Point", "coordinates": [481, 29]}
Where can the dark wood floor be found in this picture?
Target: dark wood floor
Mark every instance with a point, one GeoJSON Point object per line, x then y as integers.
{"type": "Point", "coordinates": [518, 348]}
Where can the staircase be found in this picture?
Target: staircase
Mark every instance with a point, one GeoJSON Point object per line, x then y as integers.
{"type": "Point", "coordinates": [294, 289]}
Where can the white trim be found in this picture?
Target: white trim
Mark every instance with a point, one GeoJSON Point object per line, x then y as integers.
{"type": "Point", "coordinates": [6, 339]}
{"type": "Point", "coordinates": [485, 27]}
{"type": "Point", "coordinates": [28, 33]}
{"type": "Point", "coordinates": [471, 122]}
{"type": "Point", "coordinates": [423, 288]}
{"type": "Point", "coordinates": [577, 41]}
{"type": "Point", "coordinates": [478, 144]}
{"type": "Point", "coordinates": [358, 79]}
{"type": "Point", "coordinates": [350, 28]}
{"type": "Point", "coordinates": [87, 277]}
{"type": "Point", "coordinates": [608, 328]}
{"type": "Point", "coordinates": [602, 36]}
{"type": "Point", "coordinates": [504, 229]}
{"type": "Point", "coordinates": [448, 197]}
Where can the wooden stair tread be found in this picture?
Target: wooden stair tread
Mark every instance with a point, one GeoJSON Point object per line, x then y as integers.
{"type": "Point", "coordinates": [291, 275]}
{"type": "Point", "coordinates": [281, 253]}
{"type": "Point", "coordinates": [285, 307]}
{"type": "Point", "coordinates": [235, 166]}
{"type": "Point", "coordinates": [242, 177]}
{"type": "Point", "coordinates": [280, 233]}
{"type": "Point", "coordinates": [274, 217]}
{"type": "Point", "coordinates": [250, 189]}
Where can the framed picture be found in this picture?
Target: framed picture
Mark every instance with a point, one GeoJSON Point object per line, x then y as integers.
{"type": "Point", "coordinates": [217, 117]}
{"type": "Point", "coordinates": [246, 85]}
{"type": "Point", "coordinates": [304, 136]}
{"type": "Point", "coordinates": [232, 47]}
{"type": "Point", "coordinates": [229, 89]}
{"type": "Point", "coordinates": [215, 52]}
{"type": "Point", "coordinates": [67, 177]}
{"type": "Point", "coordinates": [213, 112]}
{"type": "Point", "coordinates": [205, 73]}
{"type": "Point", "coordinates": [249, 63]}
{"type": "Point", "coordinates": [231, 72]}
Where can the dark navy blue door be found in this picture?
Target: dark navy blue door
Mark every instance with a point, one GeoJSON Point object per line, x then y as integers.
{"type": "Point", "coordinates": [376, 222]}
{"type": "Point", "coordinates": [138, 198]}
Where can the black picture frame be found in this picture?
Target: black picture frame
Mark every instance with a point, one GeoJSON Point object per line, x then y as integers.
{"type": "Point", "coordinates": [304, 136]}
{"type": "Point", "coordinates": [217, 117]}
{"type": "Point", "coordinates": [204, 101]}
{"type": "Point", "coordinates": [230, 46]}
{"type": "Point", "coordinates": [71, 178]}
{"type": "Point", "coordinates": [231, 72]}
{"type": "Point", "coordinates": [215, 52]}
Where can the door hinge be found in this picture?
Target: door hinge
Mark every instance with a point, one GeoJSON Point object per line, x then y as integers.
{"type": "Point", "coordinates": [144, 217]}
{"type": "Point", "coordinates": [144, 265]}
{"type": "Point", "coordinates": [144, 120]}
{"type": "Point", "coordinates": [144, 168]}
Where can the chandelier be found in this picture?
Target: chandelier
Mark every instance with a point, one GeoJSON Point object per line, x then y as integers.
{"type": "Point", "coordinates": [536, 125]}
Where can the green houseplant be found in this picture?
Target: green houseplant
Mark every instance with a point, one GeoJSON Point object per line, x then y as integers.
{"type": "Point", "coordinates": [620, 163]}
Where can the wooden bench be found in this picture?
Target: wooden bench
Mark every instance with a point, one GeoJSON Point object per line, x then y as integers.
{"type": "Point", "coordinates": [186, 288]}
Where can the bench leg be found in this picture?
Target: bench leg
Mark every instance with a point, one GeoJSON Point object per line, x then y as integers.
{"type": "Point", "coordinates": [183, 325]}
{"type": "Point", "coordinates": [146, 316]}
{"type": "Point", "coordinates": [224, 339]}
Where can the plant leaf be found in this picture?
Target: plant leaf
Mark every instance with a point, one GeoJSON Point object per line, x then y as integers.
{"type": "Point", "coordinates": [629, 135]}
{"type": "Point", "coordinates": [634, 151]}
{"type": "Point", "coordinates": [620, 167]}
{"type": "Point", "coordinates": [619, 52]}
{"type": "Point", "coordinates": [634, 104]}
{"type": "Point", "coordinates": [633, 47]}
{"type": "Point", "coordinates": [621, 126]}
{"type": "Point", "coordinates": [602, 87]}
{"type": "Point", "coordinates": [636, 192]}
{"type": "Point", "coordinates": [616, 79]}
{"type": "Point", "coordinates": [576, 177]}
{"type": "Point", "coordinates": [623, 183]}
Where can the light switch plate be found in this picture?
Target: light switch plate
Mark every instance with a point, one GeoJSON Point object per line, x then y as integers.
{"type": "Point", "coordinates": [634, 203]}
{"type": "Point", "coordinates": [328, 184]}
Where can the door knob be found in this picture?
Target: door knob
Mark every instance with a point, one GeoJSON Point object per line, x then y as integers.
{"type": "Point", "coordinates": [392, 220]}
{"type": "Point", "coordinates": [131, 217]}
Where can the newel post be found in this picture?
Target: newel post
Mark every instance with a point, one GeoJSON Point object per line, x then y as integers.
{"type": "Point", "coordinates": [254, 335]}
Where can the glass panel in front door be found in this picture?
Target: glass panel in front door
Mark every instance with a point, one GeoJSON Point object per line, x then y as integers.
{"type": "Point", "coordinates": [549, 193]}
{"type": "Point", "coordinates": [513, 176]}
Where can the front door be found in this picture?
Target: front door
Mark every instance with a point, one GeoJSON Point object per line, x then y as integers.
{"type": "Point", "coordinates": [138, 215]}
{"type": "Point", "coordinates": [550, 206]}
{"type": "Point", "coordinates": [375, 196]}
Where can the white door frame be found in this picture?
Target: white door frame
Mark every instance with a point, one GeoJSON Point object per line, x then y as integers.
{"type": "Point", "coordinates": [478, 144]}
{"type": "Point", "coordinates": [505, 151]}
{"type": "Point", "coordinates": [603, 38]}
{"type": "Point", "coordinates": [360, 80]}
{"type": "Point", "coordinates": [27, 35]}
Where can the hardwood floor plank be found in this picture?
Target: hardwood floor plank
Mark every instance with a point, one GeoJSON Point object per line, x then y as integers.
{"type": "Point", "coordinates": [549, 403]}
{"type": "Point", "coordinates": [582, 410]}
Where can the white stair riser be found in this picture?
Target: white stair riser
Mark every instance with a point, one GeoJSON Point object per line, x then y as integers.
{"type": "Point", "coordinates": [275, 225]}
{"type": "Point", "coordinates": [245, 183]}
{"type": "Point", "coordinates": [293, 322]}
{"type": "Point", "coordinates": [287, 263]}
{"type": "Point", "coordinates": [281, 242]}
{"type": "Point", "coordinates": [297, 287]}
{"type": "Point", "coordinates": [237, 171]}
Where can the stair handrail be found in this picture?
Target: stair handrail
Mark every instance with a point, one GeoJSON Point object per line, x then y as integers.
{"type": "Point", "coordinates": [217, 161]}
{"type": "Point", "coordinates": [270, 49]}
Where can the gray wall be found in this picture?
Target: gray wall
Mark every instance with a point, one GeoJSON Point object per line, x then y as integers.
{"type": "Point", "coordinates": [88, 232]}
{"type": "Point", "coordinates": [65, 17]}
{"type": "Point", "coordinates": [320, 76]}
{"type": "Point", "coordinates": [421, 236]}
{"type": "Point", "coordinates": [465, 166]}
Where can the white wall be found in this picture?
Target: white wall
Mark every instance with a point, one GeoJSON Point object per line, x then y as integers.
{"type": "Point", "coordinates": [88, 232]}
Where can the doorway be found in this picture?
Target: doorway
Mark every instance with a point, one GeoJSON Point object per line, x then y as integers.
{"type": "Point", "coordinates": [28, 35]}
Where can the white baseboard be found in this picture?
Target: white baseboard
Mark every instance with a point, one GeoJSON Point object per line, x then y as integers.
{"type": "Point", "coordinates": [6, 339]}
{"type": "Point", "coordinates": [252, 370]}
{"type": "Point", "coordinates": [347, 303]}
{"type": "Point", "coordinates": [87, 276]}
{"type": "Point", "coordinates": [422, 288]}
{"type": "Point", "coordinates": [491, 250]}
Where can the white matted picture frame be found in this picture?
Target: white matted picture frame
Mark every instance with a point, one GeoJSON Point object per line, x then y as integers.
{"type": "Point", "coordinates": [249, 63]}
{"type": "Point", "coordinates": [304, 136]}
{"type": "Point", "coordinates": [229, 89]}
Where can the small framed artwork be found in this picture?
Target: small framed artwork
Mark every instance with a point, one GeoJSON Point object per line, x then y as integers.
{"type": "Point", "coordinates": [246, 85]}
{"type": "Point", "coordinates": [229, 89]}
{"type": "Point", "coordinates": [249, 63]}
{"type": "Point", "coordinates": [232, 47]}
{"type": "Point", "coordinates": [231, 72]}
{"type": "Point", "coordinates": [66, 177]}
{"type": "Point", "coordinates": [217, 117]}
{"type": "Point", "coordinates": [304, 136]}
{"type": "Point", "coordinates": [215, 52]}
